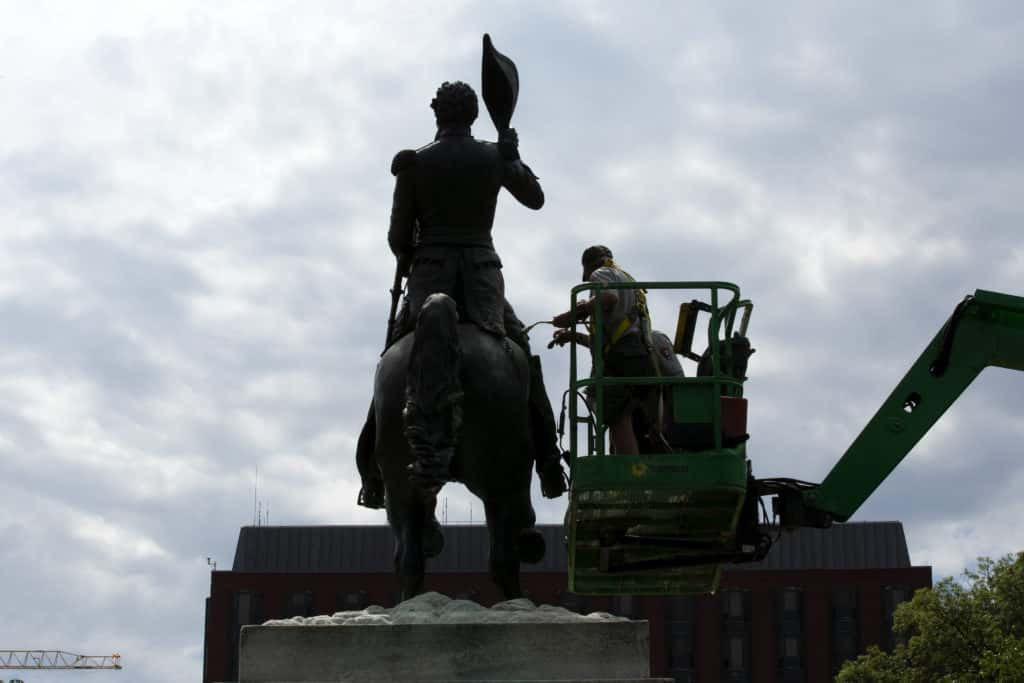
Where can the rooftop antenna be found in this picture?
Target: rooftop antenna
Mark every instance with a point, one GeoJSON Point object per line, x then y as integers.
{"type": "Point", "coordinates": [255, 494]}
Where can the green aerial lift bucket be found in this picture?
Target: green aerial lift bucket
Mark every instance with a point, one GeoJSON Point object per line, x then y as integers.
{"type": "Point", "coordinates": [653, 525]}
{"type": "Point", "coordinates": [658, 524]}
{"type": "Point", "coordinates": [666, 523]}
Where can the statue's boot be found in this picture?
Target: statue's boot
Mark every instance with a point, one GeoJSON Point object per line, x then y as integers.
{"type": "Point", "coordinates": [372, 493]}
{"type": "Point", "coordinates": [544, 436]}
{"type": "Point", "coordinates": [553, 482]}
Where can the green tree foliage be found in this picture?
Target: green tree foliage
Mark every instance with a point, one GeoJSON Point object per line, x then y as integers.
{"type": "Point", "coordinates": [957, 631]}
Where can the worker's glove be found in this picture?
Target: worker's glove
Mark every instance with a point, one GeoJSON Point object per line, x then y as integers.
{"type": "Point", "coordinates": [560, 338]}
{"type": "Point", "coordinates": [508, 144]}
{"type": "Point", "coordinates": [565, 319]}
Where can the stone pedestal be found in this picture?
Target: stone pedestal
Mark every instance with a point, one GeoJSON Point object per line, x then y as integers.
{"type": "Point", "coordinates": [432, 638]}
{"type": "Point", "coordinates": [445, 652]}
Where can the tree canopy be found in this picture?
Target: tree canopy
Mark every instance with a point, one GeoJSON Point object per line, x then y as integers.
{"type": "Point", "coordinates": [957, 631]}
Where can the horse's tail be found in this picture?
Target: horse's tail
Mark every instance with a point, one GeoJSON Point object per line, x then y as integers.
{"type": "Point", "coordinates": [433, 393]}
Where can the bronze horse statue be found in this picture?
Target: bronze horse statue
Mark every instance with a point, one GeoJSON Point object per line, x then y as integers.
{"type": "Point", "coordinates": [451, 404]}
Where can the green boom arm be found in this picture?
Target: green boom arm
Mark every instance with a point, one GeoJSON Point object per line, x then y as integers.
{"type": "Point", "coordinates": [985, 329]}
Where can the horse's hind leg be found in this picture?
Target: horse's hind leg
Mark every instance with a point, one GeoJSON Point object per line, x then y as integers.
{"type": "Point", "coordinates": [530, 542]}
{"type": "Point", "coordinates": [406, 515]}
{"type": "Point", "coordinates": [506, 521]}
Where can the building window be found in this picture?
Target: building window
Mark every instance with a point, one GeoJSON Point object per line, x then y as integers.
{"type": "Point", "coordinates": [790, 664]}
{"type": "Point", "coordinates": [353, 601]}
{"type": "Point", "coordinates": [300, 604]}
{"type": "Point", "coordinates": [892, 596]}
{"type": "Point", "coordinates": [679, 625]}
{"type": "Point", "coordinates": [845, 644]}
{"type": "Point", "coordinates": [248, 609]}
{"type": "Point", "coordinates": [735, 605]}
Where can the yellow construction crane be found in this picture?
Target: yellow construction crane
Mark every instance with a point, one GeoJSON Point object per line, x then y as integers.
{"type": "Point", "coordinates": [56, 659]}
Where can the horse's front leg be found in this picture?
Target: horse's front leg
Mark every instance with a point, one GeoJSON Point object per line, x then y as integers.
{"type": "Point", "coordinates": [504, 552]}
{"type": "Point", "coordinates": [406, 515]}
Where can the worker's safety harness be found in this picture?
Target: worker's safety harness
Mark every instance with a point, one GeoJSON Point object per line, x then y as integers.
{"type": "Point", "coordinates": [642, 315]}
{"type": "Point", "coordinates": [639, 313]}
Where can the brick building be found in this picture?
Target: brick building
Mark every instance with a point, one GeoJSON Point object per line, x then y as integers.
{"type": "Point", "coordinates": [820, 597]}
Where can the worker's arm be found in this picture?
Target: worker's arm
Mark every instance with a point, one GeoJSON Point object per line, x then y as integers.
{"type": "Point", "coordinates": [584, 309]}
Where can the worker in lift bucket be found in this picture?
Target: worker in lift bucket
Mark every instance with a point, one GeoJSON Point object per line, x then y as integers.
{"type": "Point", "coordinates": [627, 346]}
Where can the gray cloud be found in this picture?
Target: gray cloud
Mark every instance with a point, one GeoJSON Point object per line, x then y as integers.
{"type": "Point", "coordinates": [193, 273]}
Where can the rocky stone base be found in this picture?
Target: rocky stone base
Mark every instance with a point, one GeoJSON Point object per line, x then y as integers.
{"type": "Point", "coordinates": [433, 638]}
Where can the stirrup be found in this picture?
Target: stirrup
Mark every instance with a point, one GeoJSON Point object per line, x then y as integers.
{"type": "Point", "coordinates": [371, 495]}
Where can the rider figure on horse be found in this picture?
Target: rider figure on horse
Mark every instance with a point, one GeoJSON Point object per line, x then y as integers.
{"type": "Point", "coordinates": [441, 219]}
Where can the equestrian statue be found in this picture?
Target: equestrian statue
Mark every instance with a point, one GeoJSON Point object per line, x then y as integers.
{"type": "Point", "coordinates": [458, 395]}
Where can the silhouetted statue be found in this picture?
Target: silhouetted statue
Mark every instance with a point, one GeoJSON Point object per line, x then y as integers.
{"type": "Point", "coordinates": [455, 401]}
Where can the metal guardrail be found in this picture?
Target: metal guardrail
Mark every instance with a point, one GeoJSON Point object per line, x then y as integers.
{"type": "Point", "coordinates": [722, 314]}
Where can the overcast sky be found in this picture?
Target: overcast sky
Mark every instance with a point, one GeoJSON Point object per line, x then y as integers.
{"type": "Point", "coordinates": [194, 271]}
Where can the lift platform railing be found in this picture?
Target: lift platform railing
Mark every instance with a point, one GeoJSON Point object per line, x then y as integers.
{"type": "Point", "coordinates": [722, 319]}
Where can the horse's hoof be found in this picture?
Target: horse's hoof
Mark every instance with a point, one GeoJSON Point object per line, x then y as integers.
{"type": "Point", "coordinates": [433, 539]}
{"type": "Point", "coordinates": [531, 546]}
